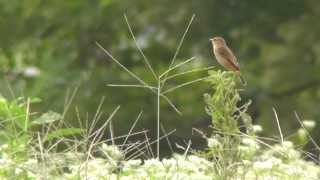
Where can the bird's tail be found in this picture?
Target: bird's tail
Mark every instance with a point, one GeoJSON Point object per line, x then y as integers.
{"type": "Point", "coordinates": [242, 80]}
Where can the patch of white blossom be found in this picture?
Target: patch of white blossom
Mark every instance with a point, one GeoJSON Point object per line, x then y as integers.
{"type": "Point", "coordinates": [280, 161]}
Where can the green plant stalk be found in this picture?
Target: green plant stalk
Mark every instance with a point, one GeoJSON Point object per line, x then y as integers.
{"type": "Point", "coordinates": [158, 118]}
{"type": "Point", "coordinates": [222, 106]}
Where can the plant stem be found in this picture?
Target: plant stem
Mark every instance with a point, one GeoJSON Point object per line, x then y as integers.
{"type": "Point", "coordinates": [158, 117]}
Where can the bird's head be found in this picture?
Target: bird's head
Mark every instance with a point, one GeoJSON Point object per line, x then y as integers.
{"type": "Point", "coordinates": [218, 41]}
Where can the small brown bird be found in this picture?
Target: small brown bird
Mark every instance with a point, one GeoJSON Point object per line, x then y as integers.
{"type": "Point", "coordinates": [224, 55]}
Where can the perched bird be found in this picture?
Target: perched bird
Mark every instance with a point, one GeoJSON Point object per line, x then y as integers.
{"type": "Point", "coordinates": [224, 56]}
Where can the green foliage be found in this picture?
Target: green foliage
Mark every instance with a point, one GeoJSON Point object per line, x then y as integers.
{"type": "Point", "coordinates": [227, 114]}
{"type": "Point", "coordinates": [63, 132]}
{"type": "Point", "coordinates": [20, 129]}
{"type": "Point", "coordinates": [14, 127]}
{"type": "Point", "coordinates": [57, 40]}
{"type": "Point", "coordinates": [230, 155]}
{"type": "Point", "coordinates": [223, 104]}
{"type": "Point", "coordinates": [48, 47]}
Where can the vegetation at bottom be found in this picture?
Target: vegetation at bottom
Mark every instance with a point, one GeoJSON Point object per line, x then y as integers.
{"type": "Point", "coordinates": [41, 145]}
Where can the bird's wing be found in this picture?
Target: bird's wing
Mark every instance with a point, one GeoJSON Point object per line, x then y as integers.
{"type": "Point", "coordinates": [228, 55]}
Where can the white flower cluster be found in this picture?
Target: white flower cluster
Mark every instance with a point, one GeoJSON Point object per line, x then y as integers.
{"type": "Point", "coordinates": [280, 161]}
{"type": "Point", "coordinates": [178, 167]}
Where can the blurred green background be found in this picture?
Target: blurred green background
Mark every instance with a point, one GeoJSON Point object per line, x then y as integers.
{"type": "Point", "coordinates": [47, 48]}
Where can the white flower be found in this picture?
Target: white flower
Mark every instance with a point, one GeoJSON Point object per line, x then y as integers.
{"type": "Point", "coordinates": [257, 128]}
{"type": "Point", "coordinates": [262, 165]}
{"type": "Point", "coordinates": [302, 133]}
{"type": "Point", "coordinates": [17, 171]}
{"type": "Point", "coordinates": [249, 144]}
{"type": "Point", "coordinates": [287, 144]}
{"type": "Point", "coordinates": [134, 163]}
{"type": "Point", "coordinates": [213, 142]}
{"type": "Point", "coordinates": [112, 152]}
{"type": "Point", "coordinates": [4, 147]}
{"type": "Point", "coordinates": [246, 162]}
{"type": "Point", "coordinates": [249, 141]}
{"type": "Point", "coordinates": [309, 124]}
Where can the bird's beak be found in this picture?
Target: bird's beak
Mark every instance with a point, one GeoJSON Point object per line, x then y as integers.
{"type": "Point", "coordinates": [210, 39]}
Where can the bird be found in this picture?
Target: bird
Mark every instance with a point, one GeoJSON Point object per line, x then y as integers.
{"type": "Point", "coordinates": [225, 56]}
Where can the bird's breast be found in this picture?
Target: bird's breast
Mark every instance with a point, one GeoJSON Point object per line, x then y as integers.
{"type": "Point", "coordinates": [223, 61]}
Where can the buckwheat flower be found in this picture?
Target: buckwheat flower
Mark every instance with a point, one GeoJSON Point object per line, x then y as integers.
{"type": "Point", "coordinates": [179, 175]}
{"type": "Point", "coordinates": [170, 165]}
{"type": "Point", "coordinates": [133, 163]}
{"type": "Point", "coordinates": [4, 147]}
{"type": "Point", "coordinates": [275, 161]}
{"type": "Point", "coordinates": [287, 144]}
{"type": "Point", "coordinates": [262, 165]}
{"type": "Point", "coordinates": [309, 124]}
{"type": "Point", "coordinates": [18, 171]}
{"type": "Point", "coordinates": [257, 128]}
{"type": "Point", "coordinates": [30, 164]}
{"type": "Point", "coordinates": [249, 141]}
{"type": "Point", "coordinates": [213, 142]}
{"type": "Point", "coordinates": [200, 176]}
{"type": "Point", "coordinates": [32, 175]}
{"type": "Point", "coordinates": [153, 165]}
{"type": "Point", "coordinates": [112, 152]}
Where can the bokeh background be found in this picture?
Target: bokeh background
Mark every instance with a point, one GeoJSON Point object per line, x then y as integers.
{"type": "Point", "coordinates": [47, 48]}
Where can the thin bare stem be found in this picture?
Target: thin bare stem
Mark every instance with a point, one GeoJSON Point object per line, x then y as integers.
{"type": "Point", "coordinates": [131, 85]}
{"type": "Point", "coordinates": [131, 147]}
{"type": "Point", "coordinates": [132, 127]}
{"type": "Point", "coordinates": [104, 124]}
{"type": "Point", "coordinates": [167, 138]}
{"type": "Point", "coordinates": [153, 89]}
{"type": "Point", "coordinates": [188, 72]}
{"type": "Point", "coordinates": [124, 136]}
{"type": "Point", "coordinates": [177, 66]}
{"type": "Point", "coordinates": [158, 118]}
{"type": "Point", "coordinates": [308, 134]}
{"type": "Point", "coordinates": [131, 157]}
{"type": "Point", "coordinates": [278, 124]}
{"type": "Point", "coordinates": [135, 146]}
{"type": "Point", "coordinates": [96, 136]}
{"type": "Point", "coordinates": [139, 48]}
{"type": "Point", "coordinates": [122, 66]}
{"type": "Point", "coordinates": [168, 134]}
{"type": "Point", "coordinates": [181, 41]}
{"type": "Point", "coordinates": [111, 132]}
{"type": "Point", "coordinates": [97, 115]}
{"type": "Point", "coordinates": [184, 84]}
{"type": "Point", "coordinates": [27, 115]}
{"type": "Point", "coordinates": [188, 147]}
{"type": "Point", "coordinates": [148, 145]}
{"type": "Point", "coordinates": [40, 146]}
{"type": "Point", "coordinates": [180, 44]}
{"type": "Point", "coordinates": [69, 102]}
{"type": "Point", "coordinates": [13, 96]}
{"type": "Point", "coordinates": [171, 104]}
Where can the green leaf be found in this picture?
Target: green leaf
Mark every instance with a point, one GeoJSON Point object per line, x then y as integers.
{"type": "Point", "coordinates": [35, 100]}
{"type": "Point", "coordinates": [48, 117]}
{"type": "Point", "coordinates": [63, 132]}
